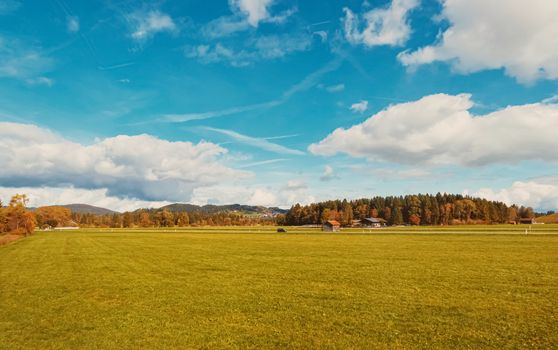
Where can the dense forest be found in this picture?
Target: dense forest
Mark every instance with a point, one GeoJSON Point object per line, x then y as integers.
{"type": "Point", "coordinates": [421, 209]}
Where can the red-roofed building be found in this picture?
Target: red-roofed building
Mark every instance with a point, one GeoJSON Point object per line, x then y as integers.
{"type": "Point", "coordinates": [331, 226]}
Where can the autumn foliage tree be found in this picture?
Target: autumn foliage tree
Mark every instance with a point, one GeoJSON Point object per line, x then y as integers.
{"type": "Point", "coordinates": [15, 218]}
{"type": "Point", "coordinates": [53, 216]}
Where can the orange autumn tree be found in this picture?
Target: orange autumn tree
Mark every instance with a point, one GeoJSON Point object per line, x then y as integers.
{"type": "Point", "coordinates": [53, 216]}
{"type": "Point", "coordinates": [15, 218]}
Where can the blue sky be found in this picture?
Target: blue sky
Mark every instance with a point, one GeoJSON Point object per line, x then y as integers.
{"type": "Point", "coordinates": [125, 104]}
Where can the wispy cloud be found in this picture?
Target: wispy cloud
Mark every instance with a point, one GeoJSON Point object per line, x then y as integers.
{"type": "Point", "coordinates": [263, 162]}
{"type": "Point", "coordinates": [267, 47]}
{"type": "Point", "coordinates": [20, 60]}
{"type": "Point", "coordinates": [305, 84]}
{"type": "Point", "coordinates": [313, 78]}
{"type": "Point", "coordinates": [40, 81]}
{"type": "Point", "coordinates": [332, 88]}
{"type": "Point", "coordinates": [115, 66]}
{"type": "Point", "coordinates": [178, 118]}
{"type": "Point", "coordinates": [257, 142]}
{"type": "Point", "coordinates": [146, 23]}
{"type": "Point", "coordinates": [246, 14]}
{"type": "Point", "coordinates": [72, 23]}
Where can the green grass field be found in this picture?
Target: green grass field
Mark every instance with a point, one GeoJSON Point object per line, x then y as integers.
{"type": "Point", "coordinates": [240, 288]}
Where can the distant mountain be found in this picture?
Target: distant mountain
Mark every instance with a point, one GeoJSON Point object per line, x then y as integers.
{"type": "Point", "coordinates": [88, 209]}
{"type": "Point", "coordinates": [211, 209]}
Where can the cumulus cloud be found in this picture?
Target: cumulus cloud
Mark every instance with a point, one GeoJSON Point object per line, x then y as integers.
{"type": "Point", "coordinates": [519, 36]}
{"type": "Point", "coordinates": [145, 24]}
{"type": "Point", "coordinates": [255, 10]}
{"type": "Point", "coordinates": [380, 26]}
{"type": "Point", "coordinates": [267, 47]}
{"type": "Point", "coordinates": [359, 107]}
{"type": "Point", "coordinates": [140, 167]}
{"type": "Point", "coordinates": [440, 129]}
{"type": "Point", "coordinates": [541, 194]}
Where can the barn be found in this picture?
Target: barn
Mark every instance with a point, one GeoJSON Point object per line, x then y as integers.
{"type": "Point", "coordinates": [331, 226]}
{"type": "Point", "coordinates": [373, 222]}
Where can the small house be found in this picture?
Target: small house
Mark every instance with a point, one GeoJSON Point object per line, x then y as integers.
{"type": "Point", "coordinates": [373, 222]}
{"type": "Point", "coordinates": [331, 226]}
{"type": "Point", "coordinates": [356, 223]}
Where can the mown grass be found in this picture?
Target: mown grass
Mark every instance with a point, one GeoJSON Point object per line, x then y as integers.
{"type": "Point", "coordinates": [132, 289]}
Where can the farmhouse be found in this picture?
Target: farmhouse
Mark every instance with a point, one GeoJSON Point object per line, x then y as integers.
{"type": "Point", "coordinates": [373, 222]}
{"type": "Point", "coordinates": [331, 226]}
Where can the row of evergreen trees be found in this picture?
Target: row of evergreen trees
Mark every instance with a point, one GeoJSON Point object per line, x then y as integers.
{"type": "Point", "coordinates": [421, 209]}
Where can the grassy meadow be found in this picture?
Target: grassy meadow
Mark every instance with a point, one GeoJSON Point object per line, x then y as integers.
{"type": "Point", "coordinates": [490, 287]}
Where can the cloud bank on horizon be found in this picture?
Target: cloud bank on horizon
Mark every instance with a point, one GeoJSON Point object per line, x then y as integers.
{"type": "Point", "coordinates": [273, 102]}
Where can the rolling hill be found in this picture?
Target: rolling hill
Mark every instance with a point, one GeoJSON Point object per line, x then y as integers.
{"type": "Point", "coordinates": [211, 209]}
{"type": "Point", "coordinates": [88, 209]}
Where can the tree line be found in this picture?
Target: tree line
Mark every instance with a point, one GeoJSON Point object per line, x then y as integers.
{"type": "Point", "coordinates": [421, 209]}
{"type": "Point", "coordinates": [167, 218]}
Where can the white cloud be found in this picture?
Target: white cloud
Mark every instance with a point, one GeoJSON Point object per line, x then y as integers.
{"type": "Point", "coordinates": [322, 34]}
{"type": "Point", "coordinates": [139, 167]}
{"type": "Point", "coordinates": [359, 107]}
{"type": "Point", "coordinates": [257, 142]}
{"type": "Point", "coordinates": [255, 10]}
{"type": "Point", "coordinates": [267, 47]}
{"type": "Point", "coordinates": [20, 60]}
{"type": "Point", "coordinates": [382, 26]}
{"type": "Point", "coordinates": [519, 36]}
{"type": "Point", "coordinates": [328, 174]}
{"type": "Point", "coordinates": [439, 129]}
{"type": "Point", "coordinates": [541, 194]}
{"type": "Point", "coordinates": [72, 24]}
{"type": "Point", "coordinates": [40, 81]}
{"type": "Point", "coordinates": [335, 88]}
{"type": "Point", "coordinates": [296, 184]}
{"type": "Point", "coordinates": [145, 24]}
{"type": "Point", "coordinates": [295, 191]}
{"type": "Point", "coordinates": [247, 14]}
{"type": "Point", "coordinates": [43, 196]}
